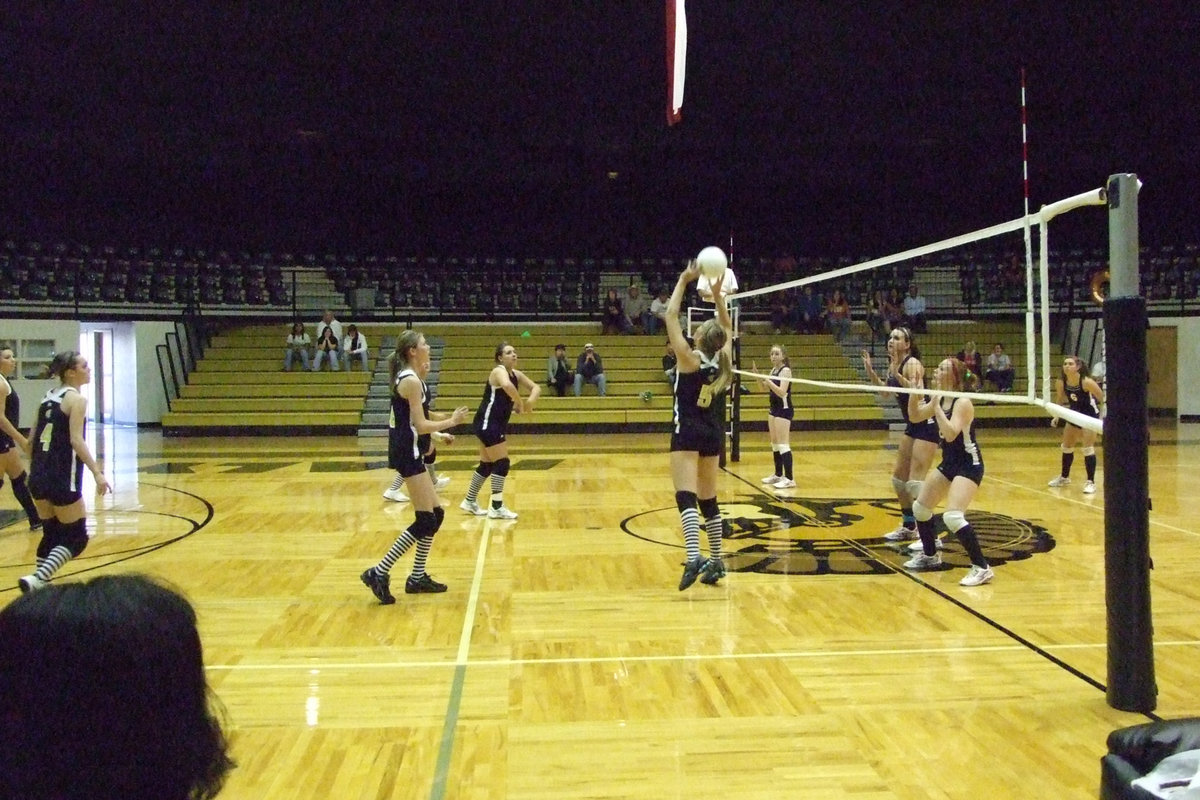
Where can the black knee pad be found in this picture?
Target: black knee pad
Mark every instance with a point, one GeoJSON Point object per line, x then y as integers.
{"type": "Point", "coordinates": [425, 525]}
{"type": "Point", "coordinates": [709, 508]}
{"type": "Point", "coordinates": [74, 536]}
{"type": "Point", "coordinates": [439, 514]}
{"type": "Point", "coordinates": [17, 482]}
{"type": "Point", "coordinates": [430, 457]}
{"type": "Point", "coordinates": [50, 537]}
{"type": "Point", "coordinates": [485, 468]}
{"type": "Point", "coordinates": [685, 500]}
{"type": "Point", "coordinates": [501, 467]}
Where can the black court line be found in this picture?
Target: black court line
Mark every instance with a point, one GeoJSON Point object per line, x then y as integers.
{"type": "Point", "coordinates": [137, 552]}
{"type": "Point", "coordinates": [916, 578]}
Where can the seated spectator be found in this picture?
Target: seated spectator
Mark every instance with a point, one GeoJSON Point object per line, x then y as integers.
{"type": "Point", "coordinates": [914, 310]}
{"type": "Point", "coordinates": [999, 369]}
{"type": "Point", "coordinates": [636, 308]}
{"type": "Point", "coordinates": [354, 347]}
{"type": "Point", "coordinates": [837, 316]}
{"type": "Point", "coordinates": [658, 307]}
{"type": "Point", "coordinates": [669, 362]}
{"type": "Point", "coordinates": [612, 318]}
{"type": "Point", "coordinates": [783, 310]}
{"type": "Point", "coordinates": [810, 312]}
{"type": "Point", "coordinates": [974, 362]}
{"type": "Point", "coordinates": [103, 694]}
{"type": "Point", "coordinates": [329, 340]}
{"type": "Point", "coordinates": [297, 347]}
{"type": "Point", "coordinates": [589, 368]}
{"type": "Point", "coordinates": [876, 320]}
{"type": "Point", "coordinates": [558, 370]}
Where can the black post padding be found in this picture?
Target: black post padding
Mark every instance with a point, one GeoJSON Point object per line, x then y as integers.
{"type": "Point", "coordinates": [1131, 684]}
{"type": "Point", "coordinates": [735, 439]}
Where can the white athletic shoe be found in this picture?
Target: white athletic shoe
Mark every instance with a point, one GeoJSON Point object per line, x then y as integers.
{"type": "Point", "coordinates": [395, 495]}
{"type": "Point", "coordinates": [503, 512]}
{"type": "Point", "coordinates": [31, 583]}
{"type": "Point", "coordinates": [901, 534]}
{"type": "Point", "coordinates": [472, 507]}
{"type": "Point", "coordinates": [442, 482]}
{"type": "Point", "coordinates": [772, 478]}
{"type": "Point", "coordinates": [1089, 487]}
{"type": "Point", "coordinates": [1059, 481]}
{"type": "Point", "coordinates": [917, 547]}
{"type": "Point", "coordinates": [977, 576]}
{"type": "Point", "coordinates": [785, 483]}
{"type": "Point", "coordinates": [922, 561]}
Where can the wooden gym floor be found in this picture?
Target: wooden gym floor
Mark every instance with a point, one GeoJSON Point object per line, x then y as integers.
{"type": "Point", "coordinates": [563, 662]}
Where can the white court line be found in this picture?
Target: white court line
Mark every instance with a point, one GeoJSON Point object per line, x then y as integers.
{"type": "Point", "coordinates": [1093, 506]}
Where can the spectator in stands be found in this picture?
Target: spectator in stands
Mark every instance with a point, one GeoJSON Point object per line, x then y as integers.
{"type": "Point", "coordinates": [297, 347]}
{"type": "Point", "coordinates": [669, 362]}
{"type": "Point", "coordinates": [837, 315]}
{"type": "Point", "coordinates": [658, 310]}
{"type": "Point", "coordinates": [783, 310]}
{"type": "Point", "coordinates": [914, 310]}
{"type": "Point", "coordinates": [891, 307]}
{"type": "Point", "coordinates": [876, 321]}
{"type": "Point", "coordinates": [637, 307]}
{"type": "Point", "coordinates": [810, 312]}
{"type": "Point", "coordinates": [589, 368]}
{"type": "Point", "coordinates": [103, 694]}
{"type": "Point", "coordinates": [973, 361]}
{"type": "Point", "coordinates": [612, 318]}
{"type": "Point", "coordinates": [558, 370]}
{"type": "Point", "coordinates": [354, 346]}
{"type": "Point", "coordinates": [999, 368]}
{"type": "Point", "coordinates": [329, 340]}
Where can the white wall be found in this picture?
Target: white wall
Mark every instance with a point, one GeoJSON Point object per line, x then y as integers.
{"type": "Point", "coordinates": [138, 395]}
{"type": "Point", "coordinates": [1187, 368]}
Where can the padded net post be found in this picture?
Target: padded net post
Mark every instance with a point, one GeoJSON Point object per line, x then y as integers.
{"type": "Point", "coordinates": [1131, 684]}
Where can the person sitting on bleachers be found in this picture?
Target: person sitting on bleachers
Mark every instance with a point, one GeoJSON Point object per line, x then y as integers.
{"type": "Point", "coordinates": [354, 346]}
{"type": "Point", "coordinates": [558, 370]}
{"type": "Point", "coordinates": [810, 312]}
{"type": "Point", "coordinates": [914, 310]}
{"type": "Point", "coordinates": [329, 340]}
{"type": "Point", "coordinates": [297, 347]}
{"type": "Point", "coordinates": [636, 308]}
{"type": "Point", "coordinates": [589, 368]}
{"type": "Point", "coordinates": [999, 369]}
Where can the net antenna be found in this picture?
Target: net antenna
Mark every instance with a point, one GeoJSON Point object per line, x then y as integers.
{"type": "Point", "coordinates": [676, 27]}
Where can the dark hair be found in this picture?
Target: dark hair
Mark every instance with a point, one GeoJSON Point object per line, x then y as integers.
{"type": "Point", "coordinates": [60, 363]}
{"type": "Point", "coordinates": [295, 325]}
{"type": "Point", "coordinates": [500, 351]}
{"type": "Point", "coordinates": [103, 694]}
{"type": "Point", "coordinates": [560, 346]}
{"type": "Point", "coordinates": [913, 350]}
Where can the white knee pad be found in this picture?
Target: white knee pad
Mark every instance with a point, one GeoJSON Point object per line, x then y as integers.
{"type": "Point", "coordinates": [914, 488]}
{"type": "Point", "coordinates": [921, 513]}
{"type": "Point", "coordinates": [954, 520]}
{"type": "Point", "coordinates": [1066, 449]}
{"type": "Point", "coordinates": [1089, 451]}
{"type": "Point", "coordinates": [785, 448]}
{"type": "Point", "coordinates": [900, 486]}
{"type": "Point", "coordinates": [775, 448]}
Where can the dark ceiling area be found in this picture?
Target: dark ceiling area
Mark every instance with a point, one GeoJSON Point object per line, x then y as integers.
{"type": "Point", "coordinates": [540, 128]}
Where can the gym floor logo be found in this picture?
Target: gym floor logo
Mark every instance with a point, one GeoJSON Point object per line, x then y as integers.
{"type": "Point", "coordinates": [835, 536]}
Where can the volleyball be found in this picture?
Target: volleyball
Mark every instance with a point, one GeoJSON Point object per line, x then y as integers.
{"type": "Point", "coordinates": [712, 263]}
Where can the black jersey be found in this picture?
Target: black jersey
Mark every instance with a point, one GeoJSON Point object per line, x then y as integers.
{"type": "Point", "coordinates": [12, 412]}
{"type": "Point", "coordinates": [961, 455]}
{"type": "Point", "coordinates": [695, 406]}
{"type": "Point", "coordinates": [926, 430]}
{"type": "Point", "coordinates": [780, 406]}
{"type": "Point", "coordinates": [54, 466]}
{"type": "Point", "coordinates": [1081, 400]}
{"type": "Point", "coordinates": [493, 413]}
{"type": "Point", "coordinates": [404, 443]}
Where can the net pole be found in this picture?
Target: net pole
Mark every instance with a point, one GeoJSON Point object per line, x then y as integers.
{"type": "Point", "coordinates": [1044, 283]}
{"type": "Point", "coordinates": [1131, 683]}
{"type": "Point", "coordinates": [1030, 361]}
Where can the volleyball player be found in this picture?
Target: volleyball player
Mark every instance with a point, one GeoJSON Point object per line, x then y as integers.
{"type": "Point", "coordinates": [56, 469]}
{"type": "Point", "coordinates": [956, 479]}
{"type": "Point", "coordinates": [779, 418]}
{"type": "Point", "coordinates": [698, 429]}
{"type": "Point", "coordinates": [501, 397]}
{"type": "Point", "coordinates": [919, 442]}
{"type": "Point", "coordinates": [409, 428]}
{"type": "Point", "coordinates": [12, 441]}
{"type": "Point", "coordinates": [395, 492]}
{"type": "Point", "coordinates": [1082, 394]}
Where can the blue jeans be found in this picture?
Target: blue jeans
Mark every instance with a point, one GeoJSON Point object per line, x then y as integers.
{"type": "Point", "coordinates": [289, 355]}
{"type": "Point", "coordinates": [333, 360]}
{"type": "Point", "coordinates": [596, 379]}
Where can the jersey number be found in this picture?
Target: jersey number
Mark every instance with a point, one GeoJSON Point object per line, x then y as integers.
{"type": "Point", "coordinates": [44, 439]}
{"type": "Point", "coordinates": [706, 396]}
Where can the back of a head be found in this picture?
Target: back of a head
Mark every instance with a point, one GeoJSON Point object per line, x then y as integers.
{"type": "Point", "coordinates": [103, 694]}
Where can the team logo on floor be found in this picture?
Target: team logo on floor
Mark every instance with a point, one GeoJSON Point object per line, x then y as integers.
{"type": "Point", "coordinates": [835, 536]}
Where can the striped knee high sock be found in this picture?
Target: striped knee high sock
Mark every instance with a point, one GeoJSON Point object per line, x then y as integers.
{"type": "Point", "coordinates": [690, 518]}
{"type": "Point", "coordinates": [397, 484]}
{"type": "Point", "coordinates": [497, 489]}
{"type": "Point", "coordinates": [715, 528]}
{"type": "Point", "coordinates": [53, 562]}
{"type": "Point", "coordinates": [398, 548]}
{"type": "Point", "coordinates": [21, 491]}
{"type": "Point", "coordinates": [422, 554]}
{"type": "Point", "coordinates": [477, 479]}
